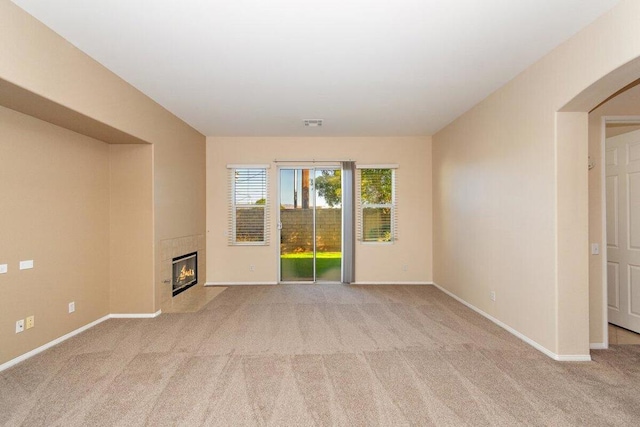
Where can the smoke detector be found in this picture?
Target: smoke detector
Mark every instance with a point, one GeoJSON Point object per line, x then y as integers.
{"type": "Point", "coordinates": [313, 123]}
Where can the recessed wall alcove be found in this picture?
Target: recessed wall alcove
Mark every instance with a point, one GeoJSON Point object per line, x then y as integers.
{"type": "Point", "coordinates": [128, 157]}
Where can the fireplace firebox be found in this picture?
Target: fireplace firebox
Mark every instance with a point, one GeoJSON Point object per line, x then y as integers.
{"type": "Point", "coordinates": [185, 272]}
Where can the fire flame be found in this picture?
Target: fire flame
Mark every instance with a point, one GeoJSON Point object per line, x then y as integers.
{"type": "Point", "coordinates": [184, 273]}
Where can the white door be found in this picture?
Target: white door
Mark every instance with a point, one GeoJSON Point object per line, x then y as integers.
{"type": "Point", "coordinates": [622, 170]}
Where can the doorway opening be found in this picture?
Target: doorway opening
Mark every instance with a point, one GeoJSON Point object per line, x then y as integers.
{"type": "Point", "coordinates": [621, 228]}
{"type": "Point", "coordinates": [310, 224]}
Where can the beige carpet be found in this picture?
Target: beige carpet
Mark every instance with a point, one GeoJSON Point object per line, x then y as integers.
{"type": "Point", "coordinates": [317, 355]}
{"type": "Point", "coordinates": [191, 300]}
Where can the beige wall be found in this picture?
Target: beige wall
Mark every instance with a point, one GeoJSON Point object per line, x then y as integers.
{"type": "Point", "coordinates": [42, 62]}
{"type": "Point", "coordinates": [572, 226]}
{"type": "Point", "coordinates": [625, 104]}
{"type": "Point", "coordinates": [55, 211]}
{"type": "Point", "coordinates": [48, 67]}
{"type": "Point", "coordinates": [179, 197]}
{"type": "Point", "coordinates": [498, 172]}
{"type": "Point", "coordinates": [614, 130]}
{"type": "Point", "coordinates": [374, 263]}
{"type": "Point", "coordinates": [131, 231]}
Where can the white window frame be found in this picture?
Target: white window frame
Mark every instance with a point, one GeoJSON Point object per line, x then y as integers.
{"type": "Point", "coordinates": [233, 206]}
{"type": "Point", "coordinates": [393, 206]}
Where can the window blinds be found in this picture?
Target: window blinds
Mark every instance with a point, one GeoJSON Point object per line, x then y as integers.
{"type": "Point", "coordinates": [376, 200]}
{"type": "Point", "coordinates": [248, 206]}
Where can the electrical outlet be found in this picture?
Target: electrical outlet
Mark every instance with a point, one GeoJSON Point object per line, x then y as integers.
{"type": "Point", "coordinates": [405, 267]}
{"type": "Point", "coordinates": [72, 307]}
{"type": "Point", "coordinates": [595, 249]}
{"type": "Point", "coordinates": [31, 322]}
{"type": "Point", "coordinates": [19, 326]}
{"type": "Point", "coordinates": [492, 295]}
{"type": "Point", "coordinates": [26, 265]}
{"type": "Point", "coordinates": [252, 268]}
{"type": "Point", "coordinates": [3, 268]}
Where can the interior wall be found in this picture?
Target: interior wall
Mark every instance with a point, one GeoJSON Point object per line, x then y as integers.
{"type": "Point", "coordinates": [625, 104]}
{"type": "Point", "coordinates": [54, 211]}
{"type": "Point", "coordinates": [374, 263]}
{"type": "Point", "coordinates": [131, 230]}
{"type": "Point", "coordinates": [40, 61]}
{"type": "Point", "coordinates": [613, 130]}
{"type": "Point", "coordinates": [179, 166]}
{"type": "Point", "coordinates": [572, 233]}
{"type": "Point", "coordinates": [496, 184]}
{"type": "Point", "coordinates": [43, 64]}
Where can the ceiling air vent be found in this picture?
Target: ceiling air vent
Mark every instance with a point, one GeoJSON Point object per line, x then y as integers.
{"type": "Point", "coordinates": [313, 123]}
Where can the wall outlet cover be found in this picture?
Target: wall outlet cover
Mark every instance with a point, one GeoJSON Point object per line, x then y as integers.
{"type": "Point", "coordinates": [25, 265]}
{"type": "Point", "coordinates": [72, 307]}
{"type": "Point", "coordinates": [4, 268]}
{"type": "Point", "coordinates": [19, 326]}
{"type": "Point", "coordinates": [31, 322]}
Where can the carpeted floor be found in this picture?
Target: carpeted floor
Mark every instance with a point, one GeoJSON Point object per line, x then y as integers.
{"type": "Point", "coordinates": [305, 355]}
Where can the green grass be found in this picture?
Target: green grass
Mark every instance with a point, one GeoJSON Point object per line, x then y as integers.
{"type": "Point", "coordinates": [299, 266]}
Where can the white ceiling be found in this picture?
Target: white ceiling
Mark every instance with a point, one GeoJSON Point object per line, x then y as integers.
{"type": "Point", "coordinates": [367, 67]}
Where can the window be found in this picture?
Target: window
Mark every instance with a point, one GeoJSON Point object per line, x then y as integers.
{"type": "Point", "coordinates": [376, 204]}
{"type": "Point", "coordinates": [249, 216]}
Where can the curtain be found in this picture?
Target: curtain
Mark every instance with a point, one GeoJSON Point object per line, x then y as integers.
{"type": "Point", "coordinates": [348, 222]}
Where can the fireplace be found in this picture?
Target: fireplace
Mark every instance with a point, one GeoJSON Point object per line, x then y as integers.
{"type": "Point", "coordinates": [185, 272]}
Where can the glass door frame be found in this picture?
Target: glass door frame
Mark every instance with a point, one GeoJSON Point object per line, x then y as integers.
{"type": "Point", "coordinates": [312, 167]}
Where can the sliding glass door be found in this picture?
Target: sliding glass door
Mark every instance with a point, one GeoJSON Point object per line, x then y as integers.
{"type": "Point", "coordinates": [310, 225]}
{"type": "Point", "coordinates": [328, 224]}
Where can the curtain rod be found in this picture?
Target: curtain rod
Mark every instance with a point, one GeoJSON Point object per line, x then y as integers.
{"type": "Point", "coordinates": [313, 161]}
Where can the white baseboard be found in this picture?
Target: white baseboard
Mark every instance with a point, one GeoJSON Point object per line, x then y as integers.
{"type": "Point", "coordinates": [240, 283]}
{"type": "Point", "coordinates": [532, 343]}
{"type": "Point", "coordinates": [135, 315]}
{"type": "Point", "coordinates": [393, 283]}
{"type": "Point", "coordinates": [573, 358]}
{"type": "Point", "coordinates": [598, 346]}
{"type": "Point", "coordinates": [276, 283]}
{"type": "Point", "coordinates": [50, 344]}
{"type": "Point", "coordinates": [71, 334]}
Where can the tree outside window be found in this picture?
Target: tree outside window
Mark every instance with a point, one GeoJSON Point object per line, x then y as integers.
{"type": "Point", "coordinates": [377, 204]}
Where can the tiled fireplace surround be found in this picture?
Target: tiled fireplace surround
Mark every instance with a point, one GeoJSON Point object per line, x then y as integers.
{"type": "Point", "coordinates": [170, 249]}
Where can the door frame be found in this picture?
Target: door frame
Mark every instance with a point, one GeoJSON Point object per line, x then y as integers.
{"type": "Point", "coordinates": [313, 165]}
{"type": "Point", "coordinates": [603, 183]}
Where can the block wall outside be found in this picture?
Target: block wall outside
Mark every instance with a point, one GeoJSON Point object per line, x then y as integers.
{"type": "Point", "coordinates": [297, 230]}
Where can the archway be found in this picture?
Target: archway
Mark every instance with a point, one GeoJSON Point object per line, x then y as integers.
{"type": "Point", "coordinates": [581, 291]}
